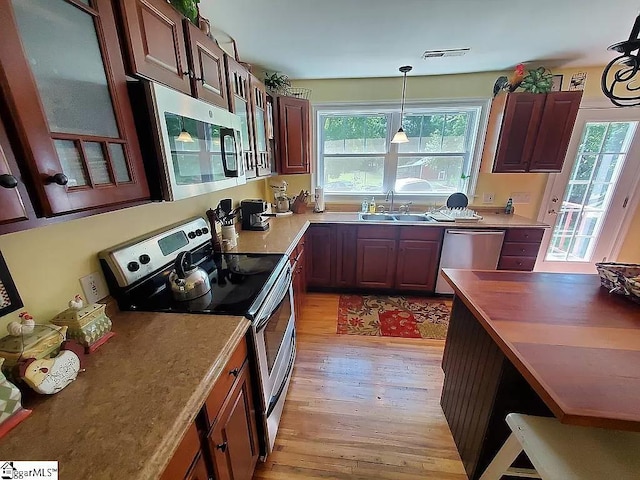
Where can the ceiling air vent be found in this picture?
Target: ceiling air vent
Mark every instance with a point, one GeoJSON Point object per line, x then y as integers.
{"type": "Point", "coordinates": [452, 52]}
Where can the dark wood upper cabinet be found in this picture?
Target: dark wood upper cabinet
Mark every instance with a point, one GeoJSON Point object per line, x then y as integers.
{"type": "Point", "coordinates": [519, 129]}
{"type": "Point", "coordinates": [260, 123]}
{"type": "Point", "coordinates": [155, 42]}
{"type": "Point", "coordinates": [64, 84]}
{"type": "Point", "coordinates": [14, 200]}
{"type": "Point", "coordinates": [209, 80]}
{"type": "Point", "coordinates": [294, 135]}
{"type": "Point", "coordinates": [240, 104]}
{"type": "Point", "coordinates": [530, 132]}
{"type": "Point", "coordinates": [556, 126]}
{"type": "Point", "coordinates": [233, 441]}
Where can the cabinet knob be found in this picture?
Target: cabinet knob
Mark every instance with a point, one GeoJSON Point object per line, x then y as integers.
{"type": "Point", "coordinates": [8, 181]}
{"type": "Point", "coordinates": [222, 447]}
{"type": "Point", "coordinates": [59, 179]}
{"type": "Point", "coordinates": [234, 372]}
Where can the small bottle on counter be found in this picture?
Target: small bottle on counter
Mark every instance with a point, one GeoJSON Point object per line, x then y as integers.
{"type": "Point", "coordinates": [372, 205]}
{"type": "Point", "coordinates": [509, 209]}
{"type": "Point", "coordinates": [365, 206]}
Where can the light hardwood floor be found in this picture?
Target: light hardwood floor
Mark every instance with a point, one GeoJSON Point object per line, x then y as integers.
{"type": "Point", "coordinates": [361, 407]}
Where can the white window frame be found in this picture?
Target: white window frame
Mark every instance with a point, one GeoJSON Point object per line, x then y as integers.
{"type": "Point", "coordinates": [481, 105]}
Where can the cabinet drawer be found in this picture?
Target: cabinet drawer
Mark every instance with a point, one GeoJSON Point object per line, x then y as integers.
{"type": "Point", "coordinates": [184, 455]}
{"type": "Point", "coordinates": [517, 263]}
{"type": "Point", "coordinates": [377, 231]}
{"type": "Point", "coordinates": [225, 382]}
{"type": "Point", "coordinates": [525, 235]}
{"type": "Point", "coordinates": [520, 249]}
{"type": "Point", "coordinates": [421, 233]}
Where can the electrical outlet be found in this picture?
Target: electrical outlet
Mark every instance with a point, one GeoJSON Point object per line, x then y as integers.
{"type": "Point", "coordinates": [94, 287]}
{"type": "Point", "coordinates": [488, 197]}
{"type": "Point", "coordinates": [521, 198]}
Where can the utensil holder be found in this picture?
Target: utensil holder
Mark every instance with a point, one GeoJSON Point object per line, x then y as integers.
{"type": "Point", "coordinates": [229, 234]}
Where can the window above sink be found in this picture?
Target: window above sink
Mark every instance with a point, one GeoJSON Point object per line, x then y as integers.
{"type": "Point", "coordinates": [356, 158]}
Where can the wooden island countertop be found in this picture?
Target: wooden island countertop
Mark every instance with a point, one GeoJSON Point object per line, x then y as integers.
{"type": "Point", "coordinates": [576, 345]}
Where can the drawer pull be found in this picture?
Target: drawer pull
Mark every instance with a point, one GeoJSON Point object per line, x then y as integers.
{"type": "Point", "coordinates": [222, 447]}
{"type": "Point", "coordinates": [235, 372]}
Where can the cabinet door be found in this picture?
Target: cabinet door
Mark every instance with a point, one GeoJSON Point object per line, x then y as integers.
{"type": "Point", "coordinates": [234, 438]}
{"type": "Point", "coordinates": [154, 37]}
{"type": "Point", "coordinates": [519, 130]}
{"type": "Point", "coordinates": [198, 471]}
{"type": "Point", "coordinates": [320, 250]}
{"type": "Point", "coordinates": [63, 79]}
{"type": "Point", "coordinates": [346, 241]}
{"type": "Point", "coordinates": [376, 262]}
{"type": "Point", "coordinates": [209, 82]}
{"type": "Point", "coordinates": [260, 121]}
{"type": "Point", "coordinates": [240, 104]}
{"type": "Point", "coordinates": [294, 135]}
{"type": "Point", "coordinates": [183, 458]}
{"type": "Point", "coordinates": [417, 267]}
{"type": "Point", "coordinates": [14, 201]}
{"type": "Point", "coordinates": [558, 118]}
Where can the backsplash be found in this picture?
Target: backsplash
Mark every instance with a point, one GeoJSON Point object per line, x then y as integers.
{"type": "Point", "coordinates": [46, 263]}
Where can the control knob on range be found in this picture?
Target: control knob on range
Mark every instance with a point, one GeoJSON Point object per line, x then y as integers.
{"type": "Point", "coordinates": [205, 230]}
{"type": "Point", "coordinates": [191, 235]}
{"type": "Point", "coordinates": [144, 259]}
{"type": "Point", "coordinates": [133, 266]}
{"type": "Point", "coordinates": [198, 232]}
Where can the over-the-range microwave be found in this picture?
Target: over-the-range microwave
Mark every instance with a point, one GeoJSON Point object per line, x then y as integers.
{"type": "Point", "coordinates": [190, 147]}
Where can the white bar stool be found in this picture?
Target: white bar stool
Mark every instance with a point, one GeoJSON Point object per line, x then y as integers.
{"type": "Point", "coordinates": [566, 452]}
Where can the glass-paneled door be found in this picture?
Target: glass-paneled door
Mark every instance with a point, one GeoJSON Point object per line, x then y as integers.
{"type": "Point", "coordinates": [586, 203]}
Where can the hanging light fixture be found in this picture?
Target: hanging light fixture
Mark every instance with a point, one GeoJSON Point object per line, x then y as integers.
{"type": "Point", "coordinates": [619, 81]}
{"type": "Point", "coordinates": [400, 136]}
{"type": "Point", "coordinates": [184, 135]}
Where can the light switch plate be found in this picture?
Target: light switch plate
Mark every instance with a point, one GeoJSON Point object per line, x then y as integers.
{"type": "Point", "coordinates": [488, 197]}
{"type": "Point", "coordinates": [94, 287]}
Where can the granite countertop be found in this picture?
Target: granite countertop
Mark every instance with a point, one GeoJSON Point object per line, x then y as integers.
{"type": "Point", "coordinates": [285, 232]}
{"type": "Point", "coordinates": [125, 415]}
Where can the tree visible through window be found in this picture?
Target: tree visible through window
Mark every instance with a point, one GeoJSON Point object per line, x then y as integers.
{"type": "Point", "coordinates": [356, 156]}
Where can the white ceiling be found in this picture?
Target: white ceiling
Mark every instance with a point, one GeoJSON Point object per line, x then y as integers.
{"type": "Point", "coordinates": [372, 38]}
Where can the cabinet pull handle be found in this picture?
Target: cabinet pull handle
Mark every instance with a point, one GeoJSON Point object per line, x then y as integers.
{"type": "Point", "coordinates": [59, 179]}
{"type": "Point", "coordinates": [8, 181]}
{"type": "Point", "coordinates": [235, 372]}
{"type": "Point", "coordinates": [222, 447]}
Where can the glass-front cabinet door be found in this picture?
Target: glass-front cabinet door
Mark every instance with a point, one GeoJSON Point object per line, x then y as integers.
{"type": "Point", "coordinates": [259, 104]}
{"type": "Point", "coordinates": [66, 89]}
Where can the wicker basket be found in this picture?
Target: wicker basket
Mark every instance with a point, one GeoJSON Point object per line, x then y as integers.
{"type": "Point", "coordinates": [298, 92]}
{"type": "Point", "coordinates": [621, 278]}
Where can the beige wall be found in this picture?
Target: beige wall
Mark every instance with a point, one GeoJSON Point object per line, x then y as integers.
{"type": "Point", "coordinates": [46, 263]}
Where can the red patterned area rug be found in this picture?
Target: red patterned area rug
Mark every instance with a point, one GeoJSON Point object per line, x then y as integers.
{"type": "Point", "coordinates": [393, 316]}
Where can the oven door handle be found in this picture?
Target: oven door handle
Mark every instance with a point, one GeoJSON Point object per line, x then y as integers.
{"type": "Point", "coordinates": [276, 398]}
{"type": "Point", "coordinates": [265, 315]}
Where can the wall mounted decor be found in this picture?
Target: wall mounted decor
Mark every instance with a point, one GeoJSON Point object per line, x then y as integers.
{"type": "Point", "coordinates": [9, 298]}
{"type": "Point", "coordinates": [619, 80]}
{"type": "Point", "coordinates": [557, 83]}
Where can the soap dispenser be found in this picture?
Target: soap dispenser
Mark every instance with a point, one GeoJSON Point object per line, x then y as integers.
{"type": "Point", "coordinates": [372, 205]}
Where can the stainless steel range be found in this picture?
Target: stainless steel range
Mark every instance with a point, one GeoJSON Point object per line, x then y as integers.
{"type": "Point", "coordinates": [257, 286]}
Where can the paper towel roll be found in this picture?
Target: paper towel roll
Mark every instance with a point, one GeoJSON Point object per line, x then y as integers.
{"type": "Point", "coordinates": [319, 200]}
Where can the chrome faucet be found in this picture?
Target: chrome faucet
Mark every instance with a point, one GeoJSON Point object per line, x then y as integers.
{"type": "Point", "coordinates": [390, 192]}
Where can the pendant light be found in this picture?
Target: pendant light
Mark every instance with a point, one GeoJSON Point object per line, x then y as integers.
{"type": "Point", "coordinates": [400, 136]}
{"type": "Point", "coordinates": [619, 81]}
{"type": "Point", "coordinates": [184, 135]}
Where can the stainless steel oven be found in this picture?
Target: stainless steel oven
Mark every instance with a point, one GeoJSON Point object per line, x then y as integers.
{"type": "Point", "coordinates": [274, 338]}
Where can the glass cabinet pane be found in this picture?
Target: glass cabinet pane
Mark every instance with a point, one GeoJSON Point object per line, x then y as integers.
{"type": "Point", "coordinates": [241, 107]}
{"type": "Point", "coordinates": [62, 48]}
{"type": "Point", "coordinates": [97, 163]}
{"type": "Point", "coordinates": [260, 127]}
{"type": "Point", "coordinates": [119, 163]}
{"type": "Point", "coordinates": [71, 162]}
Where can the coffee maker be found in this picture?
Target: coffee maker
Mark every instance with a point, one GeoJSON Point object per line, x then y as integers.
{"type": "Point", "coordinates": [252, 211]}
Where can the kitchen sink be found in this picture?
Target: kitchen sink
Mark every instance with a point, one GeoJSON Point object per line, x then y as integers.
{"type": "Point", "coordinates": [401, 218]}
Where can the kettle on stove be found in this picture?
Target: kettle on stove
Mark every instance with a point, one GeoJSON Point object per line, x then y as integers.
{"type": "Point", "coordinates": [188, 281]}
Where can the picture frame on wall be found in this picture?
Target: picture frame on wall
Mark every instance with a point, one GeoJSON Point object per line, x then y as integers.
{"type": "Point", "coordinates": [10, 300]}
{"type": "Point", "coordinates": [556, 85]}
{"type": "Point", "coordinates": [578, 81]}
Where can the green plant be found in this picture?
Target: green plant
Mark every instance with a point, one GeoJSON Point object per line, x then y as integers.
{"type": "Point", "coordinates": [539, 80]}
{"type": "Point", "coordinates": [189, 8]}
{"type": "Point", "coordinates": [277, 82]}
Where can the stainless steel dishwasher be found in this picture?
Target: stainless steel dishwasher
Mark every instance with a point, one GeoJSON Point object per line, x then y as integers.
{"type": "Point", "coordinates": [473, 249]}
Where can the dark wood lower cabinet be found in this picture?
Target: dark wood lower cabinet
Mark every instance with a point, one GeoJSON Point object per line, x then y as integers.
{"type": "Point", "coordinates": [346, 250]}
{"type": "Point", "coordinates": [199, 470]}
{"type": "Point", "coordinates": [299, 276]}
{"type": "Point", "coordinates": [376, 262]}
{"type": "Point", "coordinates": [320, 255]}
{"type": "Point", "coordinates": [417, 267]}
{"type": "Point", "coordinates": [234, 438]}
